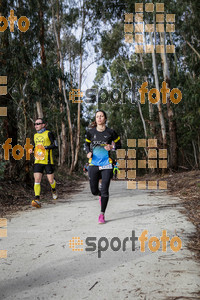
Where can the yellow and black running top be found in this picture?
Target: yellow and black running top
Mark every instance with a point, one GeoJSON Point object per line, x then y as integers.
{"type": "Point", "coordinates": [95, 143]}
{"type": "Point", "coordinates": [47, 140]}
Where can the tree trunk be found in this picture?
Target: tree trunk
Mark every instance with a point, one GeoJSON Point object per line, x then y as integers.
{"type": "Point", "coordinates": [42, 56]}
{"type": "Point", "coordinates": [198, 147]}
{"type": "Point", "coordinates": [173, 161]}
{"type": "Point", "coordinates": [63, 129]}
{"type": "Point", "coordinates": [41, 36]}
{"type": "Point", "coordinates": [64, 91]}
{"type": "Point", "coordinates": [152, 123]}
{"type": "Point", "coordinates": [195, 51]}
{"type": "Point", "coordinates": [80, 82]}
{"type": "Point", "coordinates": [59, 146]}
{"type": "Point", "coordinates": [195, 154]}
{"type": "Point", "coordinates": [160, 114]}
{"type": "Point", "coordinates": [39, 109]}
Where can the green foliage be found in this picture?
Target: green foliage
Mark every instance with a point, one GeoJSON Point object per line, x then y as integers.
{"type": "Point", "coordinates": [2, 169]}
{"type": "Point", "coordinates": [32, 80]}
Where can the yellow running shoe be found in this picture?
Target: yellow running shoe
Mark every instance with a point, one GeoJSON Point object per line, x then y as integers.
{"type": "Point", "coordinates": [36, 203]}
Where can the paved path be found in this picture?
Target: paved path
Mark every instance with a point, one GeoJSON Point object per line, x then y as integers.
{"type": "Point", "coordinates": [40, 264]}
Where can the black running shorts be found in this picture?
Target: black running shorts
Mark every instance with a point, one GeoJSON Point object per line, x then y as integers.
{"type": "Point", "coordinates": [39, 168]}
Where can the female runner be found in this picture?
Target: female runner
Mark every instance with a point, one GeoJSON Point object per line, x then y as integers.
{"type": "Point", "coordinates": [98, 145]}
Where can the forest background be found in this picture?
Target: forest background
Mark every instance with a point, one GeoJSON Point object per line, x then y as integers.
{"type": "Point", "coordinates": [68, 39]}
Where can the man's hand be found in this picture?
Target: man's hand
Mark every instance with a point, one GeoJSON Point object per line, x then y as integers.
{"type": "Point", "coordinates": [30, 151]}
{"type": "Point", "coordinates": [89, 155]}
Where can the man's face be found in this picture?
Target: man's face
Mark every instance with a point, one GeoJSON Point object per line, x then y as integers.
{"type": "Point", "coordinates": [39, 125]}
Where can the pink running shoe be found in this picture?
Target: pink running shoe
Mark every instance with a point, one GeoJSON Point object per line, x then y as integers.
{"type": "Point", "coordinates": [101, 219]}
{"type": "Point", "coordinates": [100, 200]}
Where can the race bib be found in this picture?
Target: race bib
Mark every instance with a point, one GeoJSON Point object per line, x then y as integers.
{"type": "Point", "coordinates": [39, 152]}
{"type": "Point", "coordinates": [109, 166]}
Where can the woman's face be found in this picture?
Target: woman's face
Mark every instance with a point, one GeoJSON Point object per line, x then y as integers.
{"type": "Point", "coordinates": [100, 118]}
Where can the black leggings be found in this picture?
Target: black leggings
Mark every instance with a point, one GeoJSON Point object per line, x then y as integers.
{"type": "Point", "coordinates": [94, 175]}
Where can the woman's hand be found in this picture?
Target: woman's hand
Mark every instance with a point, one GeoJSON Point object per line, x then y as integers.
{"type": "Point", "coordinates": [30, 151]}
{"type": "Point", "coordinates": [89, 155]}
{"type": "Point", "coordinates": [108, 147]}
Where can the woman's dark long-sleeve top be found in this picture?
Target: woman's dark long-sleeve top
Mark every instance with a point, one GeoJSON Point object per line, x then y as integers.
{"type": "Point", "coordinates": [95, 143]}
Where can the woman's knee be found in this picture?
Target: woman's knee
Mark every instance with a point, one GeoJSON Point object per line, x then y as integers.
{"type": "Point", "coordinates": [104, 193]}
{"type": "Point", "coordinates": [94, 188]}
{"type": "Point", "coordinates": [95, 192]}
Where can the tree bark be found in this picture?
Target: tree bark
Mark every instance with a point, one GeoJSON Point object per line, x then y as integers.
{"type": "Point", "coordinates": [80, 82]}
{"type": "Point", "coordinates": [195, 51]}
{"type": "Point", "coordinates": [41, 36]}
{"type": "Point", "coordinates": [195, 154]}
{"type": "Point", "coordinates": [42, 55]}
{"type": "Point", "coordinates": [62, 147]}
{"type": "Point", "coordinates": [59, 146]}
{"type": "Point", "coordinates": [39, 109]}
{"type": "Point", "coordinates": [160, 114]}
{"type": "Point", "coordinates": [64, 91]}
{"type": "Point", "coordinates": [150, 105]}
{"type": "Point", "coordinates": [173, 148]}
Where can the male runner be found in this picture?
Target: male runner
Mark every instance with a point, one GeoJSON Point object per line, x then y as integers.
{"type": "Point", "coordinates": [43, 144]}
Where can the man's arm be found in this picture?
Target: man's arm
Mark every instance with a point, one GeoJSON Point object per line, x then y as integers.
{"type": "Point", "coordinates": [53, 144]}
{"type": "Point", "coordinates": [33, 145]}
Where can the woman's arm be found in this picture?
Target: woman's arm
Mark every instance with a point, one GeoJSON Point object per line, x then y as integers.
{"type": "Point", "coordinates": [116, 140]}
{"type": "Point", "coordinates": [87, 144]}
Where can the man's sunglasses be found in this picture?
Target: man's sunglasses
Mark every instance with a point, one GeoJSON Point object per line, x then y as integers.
{"type": "Point", "coordinates": [38, 123]}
